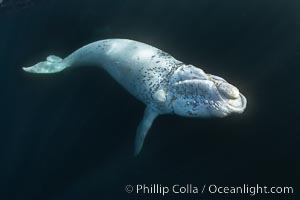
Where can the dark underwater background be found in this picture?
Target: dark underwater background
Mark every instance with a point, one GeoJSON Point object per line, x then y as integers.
{"type": "Point", "coordinates": [70, 135]}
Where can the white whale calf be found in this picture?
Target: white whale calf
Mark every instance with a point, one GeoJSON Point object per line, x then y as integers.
{"type": "Point", "coordinates": [163, 83]}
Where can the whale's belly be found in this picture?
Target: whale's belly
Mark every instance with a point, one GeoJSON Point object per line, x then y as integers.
{"type": "Point", "coordinates": [138, 67]}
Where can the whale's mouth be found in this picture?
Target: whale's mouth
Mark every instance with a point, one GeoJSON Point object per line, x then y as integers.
{"type": "Point", "coordinates": [237, 105]}
{"type": "Point", "coordinates": [236, 102]}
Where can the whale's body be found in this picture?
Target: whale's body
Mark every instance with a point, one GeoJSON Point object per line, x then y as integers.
{"type": "Point", "coordinates": [163, 83]}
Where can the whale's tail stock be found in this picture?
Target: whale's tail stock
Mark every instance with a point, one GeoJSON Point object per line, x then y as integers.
{"type": "Point", "coordinates": [52, 64]}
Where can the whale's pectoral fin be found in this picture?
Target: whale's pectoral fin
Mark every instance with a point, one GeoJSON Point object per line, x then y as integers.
{"type": "Point", "coordinates": [52, 64]}
{"type": "Point", "coordinates": [143, 128]}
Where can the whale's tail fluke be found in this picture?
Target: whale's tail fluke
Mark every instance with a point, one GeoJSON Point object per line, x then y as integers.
{"type": "Point", "coordinates": [53, 64]}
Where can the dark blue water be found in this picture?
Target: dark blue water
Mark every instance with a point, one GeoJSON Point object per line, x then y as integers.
{"type": "Point", "coordinates": [70, 135]}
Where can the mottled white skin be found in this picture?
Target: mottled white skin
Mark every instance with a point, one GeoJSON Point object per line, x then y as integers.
{"type": "Point", "coordinates": [163, 83]}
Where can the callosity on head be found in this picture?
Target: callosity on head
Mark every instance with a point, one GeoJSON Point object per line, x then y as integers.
{"type": "Point", "coordinates": [194, 93]}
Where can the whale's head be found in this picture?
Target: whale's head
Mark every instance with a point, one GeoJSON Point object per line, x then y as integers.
{"type": "Point", "coordinates": [194, 93]}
